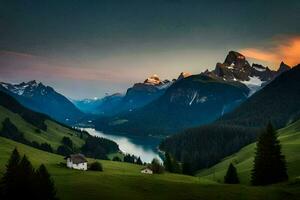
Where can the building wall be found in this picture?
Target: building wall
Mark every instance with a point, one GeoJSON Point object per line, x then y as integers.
{"type": "Point", "coordinates": [80, 166]}
{"type": "Point", "coordinates": [69, 163]}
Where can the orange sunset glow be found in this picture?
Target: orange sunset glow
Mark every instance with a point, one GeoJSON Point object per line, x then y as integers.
{"type": "Point", "coordinates": [287, 50]}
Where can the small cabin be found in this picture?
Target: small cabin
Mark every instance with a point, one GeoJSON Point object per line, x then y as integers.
{"type": "Point", "coordinates": [77, 161]}
{"type": "Point", "coordinates": [147, 170]}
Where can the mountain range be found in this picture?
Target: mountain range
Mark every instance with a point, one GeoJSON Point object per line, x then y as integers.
{"type": "Point", "coordinates": [195, 100]}
{"type": "Point", "coordinates": [278, 103]}
{"type": "Point", "coordinates": [135, 97]}
{"type": "Point", "coordinates": [44, 99]}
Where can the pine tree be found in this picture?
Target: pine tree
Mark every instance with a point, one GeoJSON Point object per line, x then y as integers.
{"type": "Point", "coordinates": [231, 176]}
{"type": "Point", "coordinates": [44, 184]}
{"type": "Point", "coordinates": [269, 163]}
{"type": "Point", "coordinates": [26, 179]}
{"type": "Point", "coordinates": [168, 162]}
{"type": "Point", "coordinates": [10, 180]}
{"type": "Point", "coordinates": [139, 161]}
{"type": "Point", "coordinates": [171, 164]}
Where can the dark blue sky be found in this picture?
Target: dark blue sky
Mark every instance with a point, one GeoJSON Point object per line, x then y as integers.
{"type": "Point", "coordinates": [105, 46]}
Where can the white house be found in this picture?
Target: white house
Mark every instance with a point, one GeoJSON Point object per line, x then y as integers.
{"type": "Point", "coordinates": [76, 161]}
{"type": "Point", "coordinates": [146, 170]}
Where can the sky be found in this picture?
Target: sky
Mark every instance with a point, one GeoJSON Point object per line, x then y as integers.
{"type": "Point", "coordinates": [90, 48]}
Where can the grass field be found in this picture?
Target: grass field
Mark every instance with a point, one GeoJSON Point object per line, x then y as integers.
{"type": "Point", "coordinates": [243, 160]}
{"type": "Point", "coordinates": [53, 135]}
{"type": "Point", "coordinates": [124, 181]}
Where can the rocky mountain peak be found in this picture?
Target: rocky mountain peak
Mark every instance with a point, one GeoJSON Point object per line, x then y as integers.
{"type": "Point", "coordinates": [236, 59]}
{"type": "Point", "coordinates": [153, 80]}
{"type": "Point", "coordinates": [183, 75]}
{"type": "Point", "coordinates": [283, 67]}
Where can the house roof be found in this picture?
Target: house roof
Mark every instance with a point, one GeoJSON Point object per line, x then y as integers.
{"type": "Point", "coordinates": [77, 158]}
{"type": "Point", "coordinates": [146, 168]}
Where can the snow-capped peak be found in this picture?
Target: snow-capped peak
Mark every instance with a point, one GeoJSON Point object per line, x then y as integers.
{"type": "Point", "coordinates": [26, 88]}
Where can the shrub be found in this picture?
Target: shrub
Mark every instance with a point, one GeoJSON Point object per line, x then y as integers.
{"type": "Point", "coordinates": [96, 166]}
{"type": "Point", "coordinates": [156, 166]}
{"type": "Point", "coordinates": [117, 158]}
{"type": "Point", "coordinates": [64, 150]}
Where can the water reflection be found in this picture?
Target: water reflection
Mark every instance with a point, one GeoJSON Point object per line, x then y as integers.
{"type": "Point", "coordinates": [144, 147]}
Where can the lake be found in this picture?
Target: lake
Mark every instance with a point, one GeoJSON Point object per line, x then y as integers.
{"type": "Point", "coordinates": [144, 147]}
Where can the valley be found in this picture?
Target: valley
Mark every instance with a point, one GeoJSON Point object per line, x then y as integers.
{"type": "Point", "coordinates": [122, 180]}
{"type": "Point", "coordinates": [149, 100]}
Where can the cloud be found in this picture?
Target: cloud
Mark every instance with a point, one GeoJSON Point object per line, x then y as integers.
{"type": "Point", "coordinates": [15, 65]}
{"type": "Point", "coordinates": [285, 49]}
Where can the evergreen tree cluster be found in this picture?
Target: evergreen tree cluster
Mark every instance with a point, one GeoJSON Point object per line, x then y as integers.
{"type": "Point", "coordinates": [22, 181]}
{"type": "Point", "coordinates": [132, 159]}
{"type": "Point", "coordinates": [96, 147]}
{"type": "Point", "coordinates": [205, 146]}
{"type": "Point", "coordinates": [117, 159]}
{"type": "Point", "coordinates": [171, 164]}
{"type": "Point", "coordinates": [66, 148]}
{"type": "Point", "coordinates": [10, 131]}
{"type": "Point", "coordinates": [269, 163]}
{"type": "Point", "coordinates": [157, 167]}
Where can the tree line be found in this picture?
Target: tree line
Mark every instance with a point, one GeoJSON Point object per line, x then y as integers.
{"type": "Point", "coordinates": [21, 180]}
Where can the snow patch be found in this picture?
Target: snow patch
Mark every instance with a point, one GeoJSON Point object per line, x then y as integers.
{"type": "Point", "coordinates": [259, 69]}
{"type": "Point", "coordinates": [194, 96]}
{"type": "Point", "coordinates": [253, 84]}
{"type": "Point", "coordinates": [202, 99]}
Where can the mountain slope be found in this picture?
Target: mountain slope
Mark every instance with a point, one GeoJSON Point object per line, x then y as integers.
{"type": "Point", "coordinates": [124, 181]}
{"type": "Point", "coordinates": [35, 126]}
{"type": "Point", "coordinates": [43, 99]}
{"type": "Point", "coordinates": [243, 159]}
{"type": "Point", "coordinates": [278, 102]}
{"type": "Point", "coordinates": [23, 125]}
{"type": "Point", "coordinates": [191, 101]}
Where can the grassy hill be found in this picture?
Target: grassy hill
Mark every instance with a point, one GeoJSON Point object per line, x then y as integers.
{"type": "Point", "coordinates": [243, 160]}
{"type": "Point", "coordinates": [53, 135]}
{"type": "Point", "coordinates": [124, 181]}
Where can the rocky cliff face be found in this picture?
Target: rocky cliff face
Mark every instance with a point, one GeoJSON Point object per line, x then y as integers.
{"type": "Point", "coordinates": [237, 68]}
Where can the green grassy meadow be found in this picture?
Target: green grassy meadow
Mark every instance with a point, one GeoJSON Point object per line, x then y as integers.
{"type": "Point", "coordinates": [52, 136]}
{"type": "Point", "coordinates": [243, 160]}
{"type": "Point", "coordinates": [124, 181]}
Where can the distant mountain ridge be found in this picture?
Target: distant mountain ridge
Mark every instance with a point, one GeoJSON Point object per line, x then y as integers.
{"type": "Point", "coordinates": [194, 100]}
{"type": "Point", "coordinates": [138, 95]}
{"type": "Point", "coordinates": [44, 99]}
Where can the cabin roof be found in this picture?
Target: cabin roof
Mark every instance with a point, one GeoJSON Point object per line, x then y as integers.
{"type": "Point", "coordinates": [77, 158]}
{"type": "Point", "coordinates": [146, 168]}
